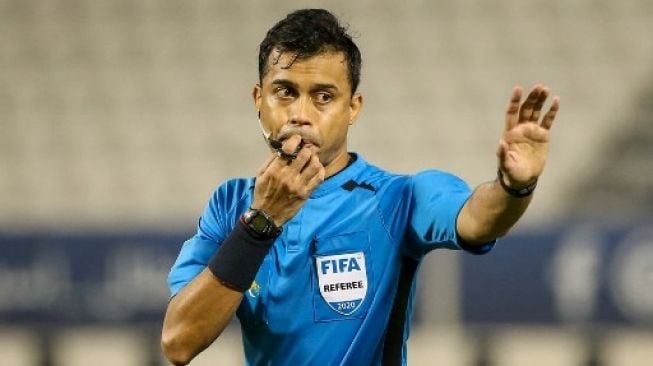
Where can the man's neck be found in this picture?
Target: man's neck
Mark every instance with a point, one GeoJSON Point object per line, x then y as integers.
{"type": "Point", "coordinates": [339, 164]}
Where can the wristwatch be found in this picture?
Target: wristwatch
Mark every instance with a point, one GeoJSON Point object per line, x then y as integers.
{"type": "Point", "coordinates": [261, 224]}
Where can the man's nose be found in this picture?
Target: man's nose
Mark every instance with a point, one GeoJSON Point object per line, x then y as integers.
{"type": "Point", "coordinates": [301, 112]}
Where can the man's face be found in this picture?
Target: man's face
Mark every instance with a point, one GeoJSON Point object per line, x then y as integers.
{"type": "Point", "coordinates": [311, 98]}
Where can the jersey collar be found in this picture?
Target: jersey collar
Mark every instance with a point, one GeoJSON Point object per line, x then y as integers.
{"type": "Point", "coordinates": [337, 180]}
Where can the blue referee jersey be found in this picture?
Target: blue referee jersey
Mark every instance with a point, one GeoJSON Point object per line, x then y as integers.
{"type": "Point", "coordinates": [337, 286]}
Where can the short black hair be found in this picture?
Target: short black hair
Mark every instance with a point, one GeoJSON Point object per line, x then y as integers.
{"type": "Point", "coordinates": [307, 33]}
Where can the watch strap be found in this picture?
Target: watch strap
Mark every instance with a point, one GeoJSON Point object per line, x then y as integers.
{"type": "Point", "coordinates": [518, 193]}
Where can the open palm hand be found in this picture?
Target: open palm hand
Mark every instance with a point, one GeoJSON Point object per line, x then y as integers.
{"type": "Point", "coordinates": [524, 144]}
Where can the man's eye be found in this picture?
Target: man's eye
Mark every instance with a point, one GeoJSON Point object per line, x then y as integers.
{"type": "Point", "coordinates": [283, 93]}
{"type": "Point", "coordinates": [324, 97]}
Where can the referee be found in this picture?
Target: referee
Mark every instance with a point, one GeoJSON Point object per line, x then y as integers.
{"type": "Point", "coordinates": [317, 255]}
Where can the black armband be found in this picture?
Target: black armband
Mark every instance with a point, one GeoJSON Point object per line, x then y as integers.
{"type": "Point", "coordinates": [518, 193]}
{"type": "Point", "coordinates": [239, 257]}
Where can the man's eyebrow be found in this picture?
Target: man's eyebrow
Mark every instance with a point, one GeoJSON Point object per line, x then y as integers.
{"type": "Point", "coordinates": [284, 82]}
{"type": "Point", "coordinates": [318, 86]}
{"type": "Point", "coordinates": [324, 86]}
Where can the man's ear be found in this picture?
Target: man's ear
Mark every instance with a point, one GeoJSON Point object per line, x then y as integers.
{"type": "Point", "coordinates": [355, 106]}
{"type": "Point", "coordinates": [256, 96]}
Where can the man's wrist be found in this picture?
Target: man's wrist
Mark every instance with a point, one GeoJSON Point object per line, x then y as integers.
{"type": "Point", "coordinates": [516, 192]}
{"type": "Point", "coordinates": [239, 257]}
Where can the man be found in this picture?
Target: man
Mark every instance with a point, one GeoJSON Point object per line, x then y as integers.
{"type": "Point", "coordinates": [317, 255]}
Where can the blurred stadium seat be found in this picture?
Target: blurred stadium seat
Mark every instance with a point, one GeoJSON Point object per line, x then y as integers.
{"type": "Point", "coordinates": [520, 346]}
{"type": "Point", "coordinates": [139, 108]}
{"type": "Point", "coordinates": [18, 347]}
{"type": "Point", "coordinates": [446, 345]}
{"type": "Point", "coordinates": [100, 347]}
{"type": "Point", "coordinates": [627, 347]}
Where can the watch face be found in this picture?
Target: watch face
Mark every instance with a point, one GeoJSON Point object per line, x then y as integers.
{"type": "Point", "coordinates": [259, 223]}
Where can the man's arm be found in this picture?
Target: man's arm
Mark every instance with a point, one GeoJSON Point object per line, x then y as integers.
{"type": "Point", "coordinates": [198, 314]}
{"type": "Point", "coordinates": [492, 210]}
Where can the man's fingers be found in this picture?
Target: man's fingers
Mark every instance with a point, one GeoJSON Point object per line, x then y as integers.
{"type": "Point", "coordinates": [310, 177]}
{"type": "Point", "coordinates": [316, 179]}
{"type": "Point", "coordinates": [526, 109]}
{"type": "Point", "coordinates": [265, 166]}
{"type": "Point", "coordinates": [512, 113]}
{"type": "Point", "coordinates": [311, 168]}
{"type": "Point", "coordinates": [303, 157]}
{"type": "Point", "coordinates": [539, 103]}
{"type": "Point", "coordinates": [547, 121]}
{"type": "Point", "coordinates": [290, 145]}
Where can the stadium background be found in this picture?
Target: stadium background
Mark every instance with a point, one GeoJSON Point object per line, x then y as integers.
{"type": "Point", "coordinates": [118, 118]}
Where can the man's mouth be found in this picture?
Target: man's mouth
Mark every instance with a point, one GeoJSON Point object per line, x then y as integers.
{"type": "Point", "coordinates": [307, 143]}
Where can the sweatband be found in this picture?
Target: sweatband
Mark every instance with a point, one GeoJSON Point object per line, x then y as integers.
{"type": "Point", "coordinates": [239, 257]}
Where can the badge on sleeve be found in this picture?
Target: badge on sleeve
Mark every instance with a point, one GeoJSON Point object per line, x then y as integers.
{"type": "Point", "coordinates": [343, 281]}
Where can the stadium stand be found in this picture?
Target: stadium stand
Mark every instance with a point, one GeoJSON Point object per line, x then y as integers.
{"type": "Point", "coordinates": [121, 107]}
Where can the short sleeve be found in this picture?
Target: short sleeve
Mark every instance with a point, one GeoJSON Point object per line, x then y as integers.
{"type": "Point", "coordinates": [436, 201]}
{"type": "Point", "coordinates": [198, 250]}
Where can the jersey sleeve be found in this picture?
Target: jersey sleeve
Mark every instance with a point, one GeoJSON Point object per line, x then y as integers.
{"type": "Point", "coordinates": [215, 224]}
{"type": "Point", "coordinates": [197, 251]}
{"type": "Point", "coordinates": [436, 200]}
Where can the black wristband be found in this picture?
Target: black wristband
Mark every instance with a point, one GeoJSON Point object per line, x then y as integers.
{"type": "Point", "coordinates": [518, 193]}
{"type": "Point", "coordinates": [239, 257]}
